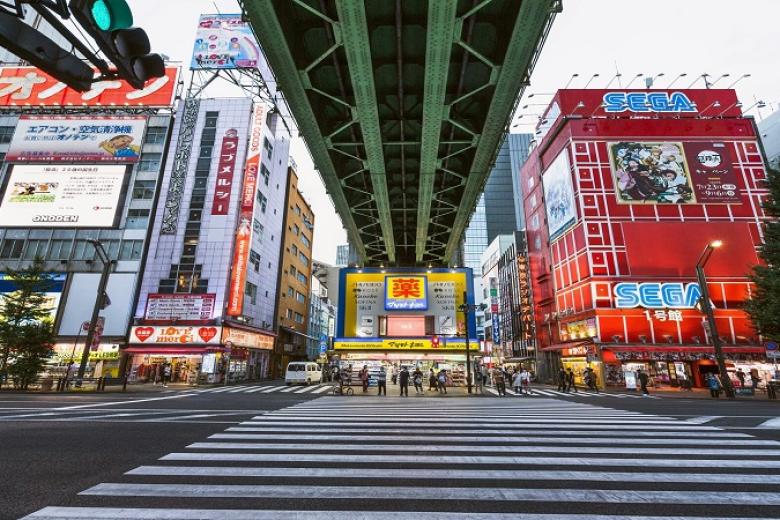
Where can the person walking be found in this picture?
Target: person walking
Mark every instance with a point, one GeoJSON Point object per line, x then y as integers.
{"type": "Point", "coordinates": [517, 383]}
{"type": "Point", "coordinates": [403, 381]}
{"type": "Point", "coordinates": [499, 381]}
{"type": "Point", "coordinates": [570, 381]}
{"type": "Point", "coordinates": [166, 374]}
{"type": "Point", "coordinates": [395, 375]}
{"type": "Point", "coordinates": [525, 382]}
{"type": "Point", "coordinates": [381, 382]}
{"type": "Point", "coordinates": [363, 375]}
{"type": "Point", "coordinates": [417, 379]}
{"type": "Point", "coordinates": [562, 380]}
{"type": "Point", "coordinates": [643, 380]}
{"type": "Point", "coordinates": [714, 385]}
{"type": "Point", "coordinates": [741, 376]}
{"type": "Point", "coordinates": [590, 380]}
{"type": "Point", "coordinates": [441, 378]}
{"type": "Point", "coordinates": [478, 380]}
{"type": "Point", "coordinates": [432, 385]}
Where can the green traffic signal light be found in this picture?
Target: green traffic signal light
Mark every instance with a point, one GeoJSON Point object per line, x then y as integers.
{"type": "Point", "coordinates": [110, 15]}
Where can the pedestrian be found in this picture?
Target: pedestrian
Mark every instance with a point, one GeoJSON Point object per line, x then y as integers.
{"type": "Point", "coordinates": [741, 376]}
{"type": "Point", "coordinates": [166, 374]}
{"type": "Point", "coordinates": [562, 380]}
{"type": "Point", "coordinates": [478, 380]}
{"type": "Point", "coordinates": [570, 381]}
{"type": "Point", "coordinates": [381, 381]}
{"type": "Point", "coordinates": [754, 378]}
{"type": "Point", "coordinates": [517, 384]}
{"type": "Point", "coordinates": [395, 374]}
{"type": "Point", "coordinates": [485, 376]}
{"type": "Point", "coordinates": [403, 381]}
{"type": "Point", "coordinates": [417, 379]}
{"type": "Point", "coordinates": [643, 379]}
{"type": "Point", "coordinates": [432, 384]}
{"type": "Point", "coordinates": [590, 379]}
{"type": "Point", "coordinates": [714, 386]}
{"type": "Point", "coordinates": [525, 382]}
{"type": "Point", "coordinates": [441, 378]}
{"type": "Point", "coordinates": [158, 371]}
{"type": "Point", "coordinates": [363, 375]}
{"type": "Point", "coordinates": [499, 381]}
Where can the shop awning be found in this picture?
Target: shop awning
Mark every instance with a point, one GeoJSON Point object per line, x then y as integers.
{"type": "Point", "coordinates": [655, 347]}
{"type": "Point", "coordinates": [561, 346]}
{"type": "Point", "coordinates": [184, 351]}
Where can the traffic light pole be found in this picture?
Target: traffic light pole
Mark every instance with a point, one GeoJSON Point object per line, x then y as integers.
{"type": "Point", "coordinates": [101, 291]}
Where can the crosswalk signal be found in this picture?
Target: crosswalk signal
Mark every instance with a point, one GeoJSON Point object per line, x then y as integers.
{"type": "Point", "coordinates": [110, 23]}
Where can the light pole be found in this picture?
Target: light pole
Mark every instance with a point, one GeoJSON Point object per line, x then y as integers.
{"type": "Point", "coordinates": [706, 306]}
{"type": "Point", "coordinates": [100, 303]}
{"type": "Point", "coordinates": [466, 309]}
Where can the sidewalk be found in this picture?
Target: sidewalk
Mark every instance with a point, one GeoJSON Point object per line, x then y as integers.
{"type": "Point", "coordinates": [695, 393]}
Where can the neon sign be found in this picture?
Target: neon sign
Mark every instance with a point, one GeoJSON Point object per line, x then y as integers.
{"type": "Point", "coordinates": [648, 102]}
{"type": "Point", "coordinates": [407, 293]}
{"type": "Point", "coordinates": [657, 295]}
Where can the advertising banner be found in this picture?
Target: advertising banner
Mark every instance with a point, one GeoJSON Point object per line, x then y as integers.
{"type": "Point", "coordinates": [227, 164]}
{"type": "Point", "coordinates": [52, 289]}
{"type": "Point", "coordinates": [31, 87]}
{"type": "Point", "coordinates": [714, 180]}
{"type": "Point", "coordinates": [77, 139]}
{"type": "Point", "coordinates": [404, 344]}
{"type": "Point", "coordinates": [224, 41]}
{"type": "Point", "coordinates": [559, 196]}
{"type": "Point", "coordinates": [651, 173]}
{"type": "Point", "coordinates": [244, 338]}
{"type": "Point", "coordinates": [183, 307]}
{"type": "Point", "coordinates": [406, 293]}
{"type": "Point", "coordinates": [62, 196]}
{"type": "Point", "coordinates": [244, 232]}
{"type": "Point", "coordinates": [149, 335]}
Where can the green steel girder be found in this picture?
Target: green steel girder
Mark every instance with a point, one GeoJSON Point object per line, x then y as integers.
{"type": "Point", "coordinates": [438, 52]}
{"type": "Point", "coordinates": [265, 23]}
{"type": "Point", "coordinates": [354, 33]}
{"type": "Point", "coordinates": [534, 18]}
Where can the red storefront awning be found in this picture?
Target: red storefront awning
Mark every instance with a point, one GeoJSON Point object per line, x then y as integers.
{"type": "Point", "coordinates": [643, 347]}
{"type": "Point", "coordinates": [561, 346]}
{"type": "Point", "coordinates": [184, 351]}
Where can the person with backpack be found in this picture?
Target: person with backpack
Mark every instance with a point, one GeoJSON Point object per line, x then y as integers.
{"type": "Point", "coordinates": [432, 384]}
{"type": "Point", "coordinates": [714, 385]}
{"type": "Point", "coordinates": [381, 381]}
{"type": "Point", "coordinates": [590, 380]}
{"type": "Point", "coordinates": [570, 381]}
{"type": "Point", "coordinates": [561, 380]}
{"type": "Point", "coordinates": [403, 381]}
{"type": "Point", "coordinates": [417, 379]}
{"type": "Point", "coordinates": [643, 380]}
{"type": "Point", "coordinates": [441, 379]}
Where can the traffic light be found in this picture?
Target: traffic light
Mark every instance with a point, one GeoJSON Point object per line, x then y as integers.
{"type": "Point", "coordinates": [110, 24]}
{"type": "Point", "coordinates": [32, 46]}
{"type": "Point", "coordinates": [435, 342]}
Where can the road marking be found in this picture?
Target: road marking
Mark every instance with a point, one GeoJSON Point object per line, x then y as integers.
{"type": "Point", "coordinates": [434, 493]}
{"type": "Point", "coordinates": [770, 424]}
{"type": "Point", "coordinates": [76, 407]}
{"type": "Point", "coordinates": [607, 425]}
{"type": "Point", "coordinates": [255, 389]}
{"type": "Point", "coordinates": [271, 389]}
{"type": "Point", "coordinates": [128, 513]}
{"type": "Point", "coordinates": [288, 389]}
{"type": "Point", "coordinates": [12, 417]}
{"type": "Point", "coordinates": [488, 474]}
{"type": "Point", "coordinates": [324, 388]}
{"type": "Point", "coordinates": [178, 418]}
{"type": "Point", "coordinates": [306, 389]}
{"type": "Point", "coordinates": [237, 389]}
{"type": "Point", "coordinates": [337, 458]}
{"type": "Point", "coordinates": [703, 419]}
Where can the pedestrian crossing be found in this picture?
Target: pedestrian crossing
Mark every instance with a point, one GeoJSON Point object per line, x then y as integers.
{"type": "Point", "coordinates": [487, 458]}
{"type": "Point", "coordinates": [267, 389]}
{"type": "Point", "coordinates": [534, 392]}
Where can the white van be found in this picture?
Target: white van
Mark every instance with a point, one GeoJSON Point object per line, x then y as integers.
{"type": "Point", "coordinates": [302, 372]}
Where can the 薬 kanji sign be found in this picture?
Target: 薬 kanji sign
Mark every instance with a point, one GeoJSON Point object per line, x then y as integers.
{"type": "Point", "coordinates": [407, 293]}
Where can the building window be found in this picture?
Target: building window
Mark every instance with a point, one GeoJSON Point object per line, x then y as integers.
{"type": "Point", "coordinates": [156, 134]}
{"type": "Point", "coordinates": [298, 317]}
{"type": "Point", "coordinates": [268, 147]}
{"type": "Point", "coordinates": [265, 173]}
{"type": "Point", "coordinates": [12, 248]}
{"type": "Point", "coordinates": [298, 210]}
{"type": "Point", "coordinates": [302, 278]}
{"type": "Point", "coordinates": [290, 292]}
{"type": "Point", "coordinates": [251, 291]}
{"type": "Point", "coordinates": [137, 219]}
{"type": "Point", "coordinates": [262, 201]}
{"type": "Point", "coordinates": [143, 190]}
{"type": "Point", "coordinates": [60, 249]}
{"type": "Point", "coordinates": [305, 241]}
{"type": "Point", "coordinates": [303, 259]}
{"type": "Point", "coordinates": [300, 297]}
{"type": "Point", "coordinates": [294, 249]}
{"type": "Point", "coordinates": [6, 133]}
{"type": "Point", "coordinates": [35, 248]}
{"type": "Point", "coordinates": [293, 271]}
{"type": "Point", "coordinates": [131, 249]}
{"type": "Point", "coordinates": [296, 230]}
{"type": "Point", "coordinates": [150, 162]}
{"type": "Point", "coordinates": [259, 229]}
{"type": "Point", "coordinates": [289, 314]}
{"type": "Point", "coordinates": [254, 259]}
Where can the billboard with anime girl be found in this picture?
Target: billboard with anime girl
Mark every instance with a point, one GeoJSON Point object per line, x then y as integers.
{"type": "Point", "coordinates": [651, 173]}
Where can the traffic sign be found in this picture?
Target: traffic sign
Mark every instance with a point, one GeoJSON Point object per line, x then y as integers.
{"type": "Point", "coordinates": [772, 349]}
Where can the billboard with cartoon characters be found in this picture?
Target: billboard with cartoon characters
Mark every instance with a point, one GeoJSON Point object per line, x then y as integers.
{"type": "Point", "coordinates": [82, 139]}
{"type": "Point", "coordinates": [559, 196]}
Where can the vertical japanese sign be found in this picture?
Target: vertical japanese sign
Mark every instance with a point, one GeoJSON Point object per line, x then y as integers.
{"type": "Point", "coordinates": [526, 305]}
{"type": "Point", "coordinates": [406, 293]}
{"type": "Point", "coordinates": [227, 164]}
{"type": "Point", "coordinates": [244, 231]}
{"type": "Point", "coordinates": [496, 324]}
{"type": "Point", "coordinates": [713, 178]}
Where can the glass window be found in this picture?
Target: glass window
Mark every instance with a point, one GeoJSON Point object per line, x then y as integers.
{"type": "Point", "coordinates": [294, 249]}
{"type": "Point", "coordinates": [137, 218]}
{"type": "Point", "coordinates": [262, 201]}
{"type": "Point", "coordinates": [293, 270]}
{"type": "Point", "coordinates": [131, 249]}
{"type": "Point", "coordinates": [205, 152]}
{"type": "Point", "coordinates": [12, 248]}
{"type": "Point", "coordinates": [298, 210]}
{"type": "Point", "coordinates": [156, 134]}
{"type": "Point", "coordinates": [301, 277]}
{"type": "Point", "coordinates": [303, 259]}
{"type": "Point", "coordinates": [35, 248]}
{"type": "Point", "coordinates": [211, 118]}
{"type": "Point", "coordinates": [265, 173]}
{"type": "Point", "coordinates": [60, 249]}
{"type": "Point", "coordinates": [259, 229]}
{"type": "Point", "coordinates": [290, 292]}
{"type": "Point", "coordinates": [289, 313]}
{"type": "Point", "coordinates": [150, 162]}
{"type": "Point", "coordinates": [251, 291]}
{"type": "Point", "coordinates": [6, 133]}
{"type": "Point", "coordinates": [268, 146]}
{"type": "Point", "coordinates": [296, 230]}
{"type": "Point", "coordinates": [254, 259]}
{"type": "Point", "coordinates": [143, 190]}
{"type": "Point", "coordinates": [300, 297]}
{"type": "Point", "coordinates": [305, 241]}
{"type": "Point", "coordinates": [298, 317]}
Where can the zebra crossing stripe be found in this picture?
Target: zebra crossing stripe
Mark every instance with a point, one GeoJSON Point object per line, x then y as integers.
{"type": "Point", "coordinates": [271, 389]}
{"type": "Point", "coordinates": [306, 389]}
{"type": "Point", "coordinates": [288, 389]}
{"type": "Point", "coordinates": [322, 389]}
{"type": "Point", "coordinates": [535, 425]}
{"type": "Point", "coordinates": [255, 389]}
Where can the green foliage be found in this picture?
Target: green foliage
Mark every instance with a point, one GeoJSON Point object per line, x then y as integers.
{"type": "Point", "coordinates": [26, 327]}
{"type": "Point", "coordinates": [764, 307]}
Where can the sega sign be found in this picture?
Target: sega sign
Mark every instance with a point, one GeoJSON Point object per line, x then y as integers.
{"type": "Point", "coordinates": [657, 295]}
{"type": "Point", "coordinates": [648, 102]}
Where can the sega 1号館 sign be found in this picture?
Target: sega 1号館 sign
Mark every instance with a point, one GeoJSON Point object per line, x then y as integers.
{"type": "Point", "coordinates": [676, 102]}
{"type": "Point", "coordinates": [665, 299]}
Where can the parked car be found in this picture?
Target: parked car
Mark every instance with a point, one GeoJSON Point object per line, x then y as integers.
{"type": "Point", "coordinates": [303, 373]}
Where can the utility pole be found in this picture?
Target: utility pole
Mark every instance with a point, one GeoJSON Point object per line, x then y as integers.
{"type": "Point", "coordinates": [466, 309]}
{"type": "Point", "coordinates": [100, 303]}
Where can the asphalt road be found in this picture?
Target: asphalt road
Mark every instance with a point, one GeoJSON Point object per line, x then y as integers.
{"type": "Point", "coordinates": [261, 452]}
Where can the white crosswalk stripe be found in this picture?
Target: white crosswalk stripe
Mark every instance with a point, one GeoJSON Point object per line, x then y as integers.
{"type": "Point", "coordinates": [380, 458]}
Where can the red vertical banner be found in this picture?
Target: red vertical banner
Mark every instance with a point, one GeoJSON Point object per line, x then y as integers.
{"type": "Point", "coordinates": [235, 304]}
{"type": "Point", "coordinates": [227, 165]}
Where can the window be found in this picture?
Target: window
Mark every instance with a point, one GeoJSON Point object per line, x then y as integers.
{"type": "Point", "coordinates": [60, 249]}
{"type": "Point", "coordinates": [259, 229]}
{"type": "Point", "coordinates": [143, 190]}
{"type": "Point", "coordinates": [265, 173]}
{"type": "Point", "coordinates": [254, 259]}
{"type": "Point", "coordinates": [290, 292]}
{"type": "Point", "coordinates": [6, 132]}
{"type": "Point", "coordinates": [296, 230]}
{"type": "Point", "coordinates": [303, 259]}
{"type": "Point", "coordinates": [251, 290]}
{"type": "Point", "coordinates": [289, 313]}
{"type": "Point", "coordinates": [12, 248]}
{"type": "Point", "coordinates": [293, 271]}
{"type": "Point", "coordinates": [156, 134]}
{"type": "Point", "coordinates": [294, 249]}
{"type": "Point", "coordinates": [137, 218]}
{"type": "Point", "coordinates": [131, 249]}
{"type": "Point", "coordinates": [150, 162]}
{"type": "Point", "coordinates": [298, 210]}
{"type": "Point", "coordinates": [305, 241]}
{"type": "Point", "coordinates": [35, 248]}
{"type": "Point", "coordinates": [262, 201]}
{"type": "Point", "coordinates": [268, 146]}
{"type": "Point", "coordinates": [300, 297]}
{"type": "Point", "coordinates": [211, 118]}
{"type": "Point", "coordinates": [301, 277]}
{"type": "Point", "coordinates": [298, 317]}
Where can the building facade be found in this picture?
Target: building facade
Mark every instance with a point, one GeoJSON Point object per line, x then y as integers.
{"type": "Point", "coordinates": [492, 347]}
{"type": "Point", "coordinates": [515, 305]}
{"type": "Point", "coordinates": [322, 314]}
{"type": "Point", "coordinates": [619, 207]}
{"type": "Point", "coordinates": [769, 130]}
{"type": "Point", "coordinates": [208, 295]}
{"type": "Point", "coordinates": [294, 276]}
{"type": "Point", "coordinates": [88, 172]}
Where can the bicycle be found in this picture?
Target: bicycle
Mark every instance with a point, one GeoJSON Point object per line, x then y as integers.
{"type": "Point", "coordinates": [342, 390]}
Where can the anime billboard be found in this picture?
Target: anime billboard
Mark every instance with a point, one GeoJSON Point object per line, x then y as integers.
{"type": "Point", "coordinates": [559, 196]}
{"type": "Point", "coordinates": [651, 173]}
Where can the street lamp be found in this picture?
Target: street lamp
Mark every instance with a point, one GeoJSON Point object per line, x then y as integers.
{"type": "Point", "coordinates": [706, 307]}
{"type": "Point", "coordinates": [101, 302]}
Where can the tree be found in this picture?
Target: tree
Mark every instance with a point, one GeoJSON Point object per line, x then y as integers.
{"type": "Point", "coordinates": [26, 325]}
{"type": "Point", "coordinates": [764, 306]}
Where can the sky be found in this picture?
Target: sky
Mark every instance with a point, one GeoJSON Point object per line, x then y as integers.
{"type": "Point", "coordinates": [649, 37]}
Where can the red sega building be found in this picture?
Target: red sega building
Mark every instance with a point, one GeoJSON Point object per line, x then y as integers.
{"type": "Point", "coordinates": [622, 193]}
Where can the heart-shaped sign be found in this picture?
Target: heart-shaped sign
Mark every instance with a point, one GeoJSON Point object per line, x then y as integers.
{"type": "Point", "coordinates": [207, 333]}
{"type": "Point", "coordinates": [144, 333]}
